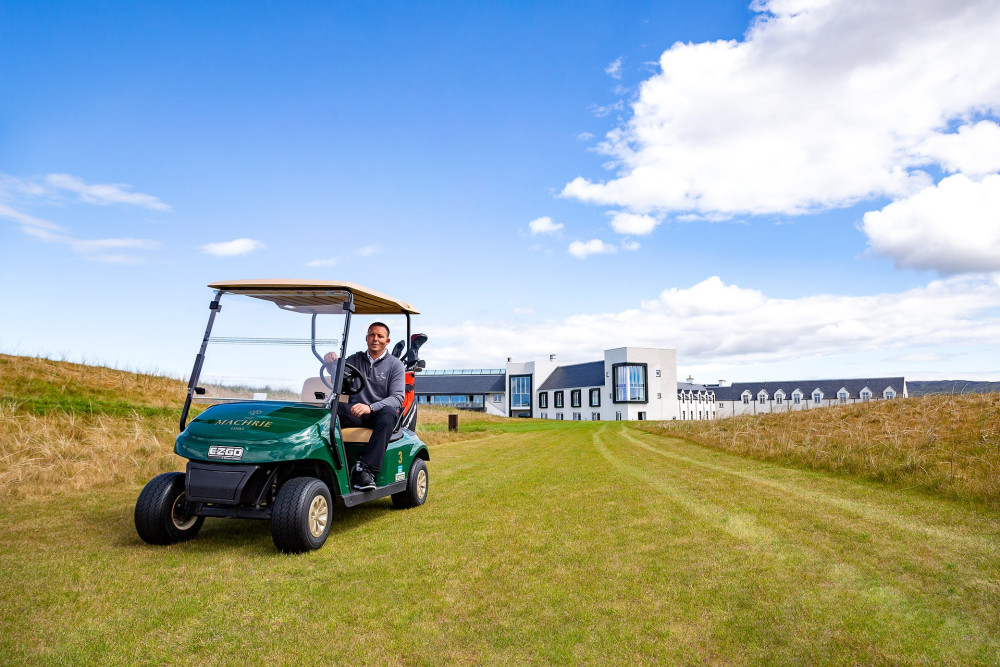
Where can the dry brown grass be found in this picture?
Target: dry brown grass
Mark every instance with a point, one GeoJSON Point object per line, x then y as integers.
{"type": "Point", "coordinates": [66, 427]}
{"type": "Point", "coordinates": [65, 452]}
{"type": "Point", "coordinates": [949, 444]}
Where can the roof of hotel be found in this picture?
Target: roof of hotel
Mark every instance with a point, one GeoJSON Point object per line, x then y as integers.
{"type": "Point", "coordinates": [590, 374]}
{"type": "Point", "coordinates": [459, 384]}
{"type": "Point", "coordinates": [806, 387]}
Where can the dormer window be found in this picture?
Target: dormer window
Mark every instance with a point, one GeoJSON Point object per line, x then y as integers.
{"type": "Point", "coordinates": [746, 398]}
{"type": "Point", "coordinates": [817, 397]}
{"type": "Point", "coordinates": [762, 397]}
{"type": "Point", "coordinates": [796, 397]}
{"type": "Point", "coordinates": [889, 393]}
{"type": "Point", "coordinates": [866, 395]}
{"type": "Point", "coordinates": [779, 397]}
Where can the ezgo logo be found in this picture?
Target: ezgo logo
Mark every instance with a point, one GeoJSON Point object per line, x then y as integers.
{"type": "Point", "coordinates": [226, 453]}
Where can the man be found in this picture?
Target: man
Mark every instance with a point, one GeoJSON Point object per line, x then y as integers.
{"type": "Point", "coordinates": [377, 405]}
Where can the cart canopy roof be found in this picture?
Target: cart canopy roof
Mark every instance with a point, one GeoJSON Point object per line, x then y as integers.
{"type": "Point", "coordinates": [311, 296]}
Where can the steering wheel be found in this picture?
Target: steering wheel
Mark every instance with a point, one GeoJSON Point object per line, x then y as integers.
{"type": "Point", "coordinates": [354, 380]}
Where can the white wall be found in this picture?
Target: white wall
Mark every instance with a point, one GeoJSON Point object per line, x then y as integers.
{"type": "Point", "coordinates": [661, 391]}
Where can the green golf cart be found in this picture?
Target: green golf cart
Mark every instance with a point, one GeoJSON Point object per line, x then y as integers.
{"type": "Point", "coordinates": [274, 453]}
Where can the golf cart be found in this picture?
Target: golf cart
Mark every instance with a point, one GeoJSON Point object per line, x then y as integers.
{"type": "Point", "coordinates": [284, 459]}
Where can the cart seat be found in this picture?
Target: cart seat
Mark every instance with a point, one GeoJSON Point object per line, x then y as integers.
{"type": "Point", "coordinates": [356, 434]}
{"type": "Point", "coordinates": [312, 387]}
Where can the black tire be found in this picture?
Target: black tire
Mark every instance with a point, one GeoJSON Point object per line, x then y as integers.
{"type": "Point", "coordinates": [416, 487]}
{"type": "Point", "coordinates": [161, 513]}
{"type": "Point", "coordinates": [300, 519]}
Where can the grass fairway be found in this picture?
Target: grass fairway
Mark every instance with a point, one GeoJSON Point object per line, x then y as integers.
{"type": "Point", "coordinates": [540, 543]}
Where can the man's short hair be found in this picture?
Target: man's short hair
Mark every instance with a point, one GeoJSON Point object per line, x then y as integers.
{"type": "Point", "coordinates": [379, 324]}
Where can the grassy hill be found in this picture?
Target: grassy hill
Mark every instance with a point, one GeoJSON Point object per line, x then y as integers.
{"type": "Point", "coordinates": [541, 543]}
{"type": "Point", "coordinates": [931, 387]}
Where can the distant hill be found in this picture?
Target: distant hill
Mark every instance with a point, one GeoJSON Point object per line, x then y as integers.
{"type": "Point", "coordinates": [926, 387]}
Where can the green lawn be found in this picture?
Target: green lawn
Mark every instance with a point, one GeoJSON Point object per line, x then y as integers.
{"type": "Point", "coordinates": [540, 543]}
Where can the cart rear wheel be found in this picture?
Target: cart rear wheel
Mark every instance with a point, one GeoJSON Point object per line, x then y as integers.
{"type": "Point", "coordinates": [416, 487]}
{"type": "Point", "coordinates": [161, 514]}
{"type": "Point", "coordinates": [300, 519]}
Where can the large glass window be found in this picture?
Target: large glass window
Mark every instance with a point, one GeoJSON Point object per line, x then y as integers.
{"type": "Point", "coordinates": [630, 383]}
{"type": "Point", "coordinates": [574, 398]}
{"type": "Point", "coordinates": [520, 392]}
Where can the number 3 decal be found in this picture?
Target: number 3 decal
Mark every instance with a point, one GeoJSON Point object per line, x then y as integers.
{"type": "Point", "coordinates": [400, 457]}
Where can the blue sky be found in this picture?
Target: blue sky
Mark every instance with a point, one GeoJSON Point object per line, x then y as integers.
{"type": "Point", "coordinates": [798, 189]}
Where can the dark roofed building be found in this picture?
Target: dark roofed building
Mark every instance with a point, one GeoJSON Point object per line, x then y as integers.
{"type": "Point", "coordinates": [590, 374]}
{"type": "Point", "coordinates": [469, 389]}
{"type": "Point", "coordinates": [742, 398]}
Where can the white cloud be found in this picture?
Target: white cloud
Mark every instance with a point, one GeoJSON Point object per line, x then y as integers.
{"type": "Point", "coordinates": [952, 227]}
{"type": "Point", "coordinates": [823, 104]}
{"type": "Point", "coordinates": [323, 262]}
{"type": "Point", "coordinates": [103, 194]}
{"type": "Point", "coordinates": [614, 69]}
{"type": "Point", "coordinates": [632, 223]}
{"type": "Point", "coordinates": [544, 225]}
{"type": "Point", "coordinates": [713, 322]}
{"type": "Point", "coordinates": [369, 250]}
{"type": "Point", "coordinates": [974, 150]}
{"type": "Point", "coordinates": [583, 249]}
{"type": "Point", "coordinates": [232, 248]}
{"type": "Point", "coordinates": [630, 245]}
{"type": "Point", "coordinates": [584, 136]}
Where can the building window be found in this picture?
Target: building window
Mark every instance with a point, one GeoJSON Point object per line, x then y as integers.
{"type": "Point", "coordinates": [618, 416]}
{"type": "Point", "coordinates": [630, 383]}
{"type": "Point", "coordinates": [559, 416]}
{"type": "Point", "coordinates": [574, 398]}
{"type": "Point", "coordinates": [842, 397]}
{"type": "Point", "coordinates": [577, 417]}
{"type": "Point", "coordinates": [595, 398]}
{"type": "Point", "coordinates": [817, 397]}
{"type": "Point", "coordinates": [543, 399]}
{"type": "Point", "coordinates": [558, 399]}
{"type": "Point", "coordinates": [866, 396]}
{"type": "Point", "coordinates": [659, 395]}
{"type": "Point", "coordinates": [520, 392]}
{"type": "Point", "coordinates": [746, 398]}
{"type": "Point", "coordinates": [642, 416]}
{"type": "Point", "coordinates": [889, 393]}
{"type": "Point", "coordinates": [498, 398]}
{"type": "Point", "coordinates": [779, 398]}
{"type": "Point", "coordinates": [762, 397]}
{"type": "Point", "coordinates": [544, 415]}
{"type": "Point", "coordinates": [796, 398]}
{"type": "Point", "coordinates": [595, 416]}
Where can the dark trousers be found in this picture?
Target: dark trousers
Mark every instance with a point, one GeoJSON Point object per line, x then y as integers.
{"type": "Point", "coordinates": [380, 422]}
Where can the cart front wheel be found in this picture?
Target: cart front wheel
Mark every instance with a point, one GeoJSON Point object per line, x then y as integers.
{"type": "Point", "coordinates": [300, 519]}
{"type": "Point", "coordinates": [161, 512]}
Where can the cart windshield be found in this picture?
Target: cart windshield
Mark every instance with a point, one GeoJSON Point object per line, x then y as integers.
{"type": "Point", "coordinates": [269, 345]}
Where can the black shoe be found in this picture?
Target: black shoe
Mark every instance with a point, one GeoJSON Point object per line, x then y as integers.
{"type": "Point", "coordinates": [363, 480]}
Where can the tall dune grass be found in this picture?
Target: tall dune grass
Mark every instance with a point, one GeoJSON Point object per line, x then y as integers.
{"type": "Point", "coordinates": [949, 444]}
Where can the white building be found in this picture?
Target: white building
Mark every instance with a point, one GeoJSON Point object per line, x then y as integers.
{"type": "Point", "coordinates": [633, 383]}
{"type": "Point", "coordinates": [754, 398]}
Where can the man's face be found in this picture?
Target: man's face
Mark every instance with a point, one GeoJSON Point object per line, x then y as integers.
{"type": "Point", "coordinates": [377, 339]}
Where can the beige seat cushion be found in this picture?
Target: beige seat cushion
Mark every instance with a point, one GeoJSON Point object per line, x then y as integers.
{"type": "Point", "coordinates": [356, 434]}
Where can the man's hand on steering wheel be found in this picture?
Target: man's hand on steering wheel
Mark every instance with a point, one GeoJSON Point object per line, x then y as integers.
{"type": "Point", "coordinates": [354, 380]}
